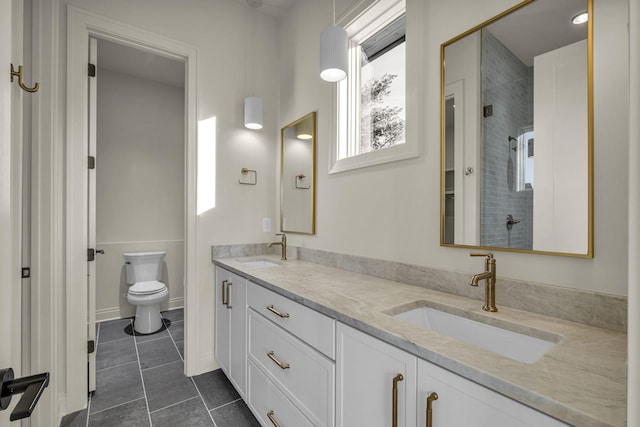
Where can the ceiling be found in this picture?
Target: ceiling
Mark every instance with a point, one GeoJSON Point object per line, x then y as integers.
{"type": "Point", "coordinates": [138, 63]}
{"type": "Point", "coordinates": [539, 27]}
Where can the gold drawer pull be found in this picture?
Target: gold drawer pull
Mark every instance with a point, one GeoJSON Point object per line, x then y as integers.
{"type": "Point", "coordinates": [396, 380]}
{"type": "Point", "coordinates": [430, 399]}
{"type": "Point", "coordinates": [228, 303]}
{"type": "Point", "coordinates": [276, 361]}
{"type": "Point", "coordinates": [224, 292]}
{"type": "Point", "coordinates": [273, 310]}
{"type": "Point", "coordinates": [272, 419]}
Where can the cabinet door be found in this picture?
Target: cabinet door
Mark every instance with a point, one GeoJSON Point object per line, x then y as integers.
{"type": "Point", "coordinates": [237, 297]}
{"type": "Point", "coordinates": [366, 368]}
{"type": "Point", "coordinates": [222, 321]}
{"type": "Point", "coordinates": [464, 403]}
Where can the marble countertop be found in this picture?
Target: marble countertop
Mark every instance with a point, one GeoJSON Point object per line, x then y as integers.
{"type": "Point", "coordinates": [581, 380]}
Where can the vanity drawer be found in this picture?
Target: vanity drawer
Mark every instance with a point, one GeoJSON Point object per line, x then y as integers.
{"type": "Point", "coordinates": [312, 327]}
{"type": "Point", "coordinates": [265, 399]}
{"type": "Point", "coordinates": [305, 376]}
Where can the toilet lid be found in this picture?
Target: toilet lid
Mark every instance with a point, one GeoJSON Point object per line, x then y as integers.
{"type": "Point", "coordinates": [147, 288]}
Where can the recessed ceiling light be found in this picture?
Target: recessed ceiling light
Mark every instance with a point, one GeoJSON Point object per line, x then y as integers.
{"type": "Point", "coordinates": [580, 18]}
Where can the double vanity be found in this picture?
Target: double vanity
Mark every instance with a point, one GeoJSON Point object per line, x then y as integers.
{"type": "Point", "coordinates": [311, 345]}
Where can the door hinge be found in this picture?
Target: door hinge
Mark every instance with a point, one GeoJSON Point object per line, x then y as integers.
{"type": "Point", "coordinates": [92, 70]}
{"type": "Point", "coordinates": [91, 346]}
{"type": "Point", "coordinates": [92, 162]}
{"type": "Point", "coordinates": [26, 272]}
{"type": "Point", "coordinates": [91, 254]}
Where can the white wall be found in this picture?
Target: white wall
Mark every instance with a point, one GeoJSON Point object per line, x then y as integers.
{"type": "Point", "coordinates": [217, 30]}
{"type": "Point", "coordinates": [405, 195]}
{"type": "Point", "coordinates": [139, 184]}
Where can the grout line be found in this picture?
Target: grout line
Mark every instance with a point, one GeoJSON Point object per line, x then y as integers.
{"type": "Point", "coordinates": [227, 404]}
{"type": "Point", "coordinates": [174, 404]}
{"type": "Point", "coordinates": [110, 341]}
{"type": "Point", "coordinates": [160, 366]}
{"type": "Point", "coordinates": [150, 340]}
{"type": "Point", "coordinates": [174, 344]}
{"type": "Point", "coordinates": [203, 402]}
{"type": "Point", "coordinates": [193, 381]}
{"type": "Point", "coordinates": [144, 389]}
{"type": "Point", "coordinates": [117, 366]}
{"type": "Point", "coordinates": [116, 406]}
{"type": "Point", "coordinates": [88, 409]}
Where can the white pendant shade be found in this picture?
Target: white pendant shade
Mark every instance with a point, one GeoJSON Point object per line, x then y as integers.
{"type": "Point", "coordinates": [253, 112]}
{"type": "Point", "coordinates": [333, 54]}
{"type": "Point", "coordinates": [303, 129]}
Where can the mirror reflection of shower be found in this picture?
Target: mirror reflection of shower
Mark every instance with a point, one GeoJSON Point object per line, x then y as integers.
{"type": "Point", "coordinates": [449, 178]}
{"type": "Point", "coordinates": [525, 156]}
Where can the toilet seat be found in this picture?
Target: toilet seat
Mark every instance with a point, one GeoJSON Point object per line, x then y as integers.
{"type": "Point", "coordinates": [147, 288]}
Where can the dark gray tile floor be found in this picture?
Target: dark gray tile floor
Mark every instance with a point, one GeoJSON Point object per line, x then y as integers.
{"type": "Point", "coordinates": [140, 382]}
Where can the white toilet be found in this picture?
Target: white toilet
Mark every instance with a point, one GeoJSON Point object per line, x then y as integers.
{"type": "Point", "coordinates": [144, 272]}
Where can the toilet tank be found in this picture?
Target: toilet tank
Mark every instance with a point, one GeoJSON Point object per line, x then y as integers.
{"type": "Point", "coordinates": [143, 266]}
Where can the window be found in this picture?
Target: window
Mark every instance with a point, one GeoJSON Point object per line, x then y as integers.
{"type": "Point", "coordinates": [372, 107]}
{"type": "Point", "coordinates": [382, 88]}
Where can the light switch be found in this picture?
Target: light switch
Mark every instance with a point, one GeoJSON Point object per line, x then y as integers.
{"type": "Point", "coordinates": [266, 225]}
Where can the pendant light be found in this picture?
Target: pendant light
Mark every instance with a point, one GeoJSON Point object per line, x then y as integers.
{"type": "Point", "coordinates": [304, 129]}
{"type": "Point", "coordinates": [253, 112]}
{"type": "Point", "coordinates": [333, 52]}
{"type": "Point", "coordinates": [252, 104]}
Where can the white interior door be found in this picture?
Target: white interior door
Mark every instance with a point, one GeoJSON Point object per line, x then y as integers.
{"type": "Point", "coordinates": [10, 195]}
{"type": "Point", "coordinates": [91, 208]}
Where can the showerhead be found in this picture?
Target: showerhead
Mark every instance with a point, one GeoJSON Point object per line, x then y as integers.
{"type": "Point", "coordinates": [515, 148]}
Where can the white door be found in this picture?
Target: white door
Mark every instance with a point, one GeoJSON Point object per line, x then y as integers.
{"type": "Point", "coordinates": [10, 196]}
{"type": "Point", "coordinates": [464, 403]}
{"type": "Point", "coordinates": [366, 370]}
{"type": "Point", "coordinates": [91, 223]}
{"type": "Point", "coordinates": [222, 320]}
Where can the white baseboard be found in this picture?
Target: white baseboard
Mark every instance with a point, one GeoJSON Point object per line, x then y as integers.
{"type": "Point", "coordinates": [113, 313]}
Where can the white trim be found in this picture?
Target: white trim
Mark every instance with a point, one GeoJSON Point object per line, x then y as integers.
{"type": "Point", "coordinates": [113, 313]}
{"type": "Point", "coordinates": [80, 25]}
{"type": "Point", "coordinates": [373, 17]}
{"type": "Point", "coordinates": [633, 372]}
{"type": "Point", "coordinates": [142, 242]}
{"type": "Point", "coordinates": [47, 192]}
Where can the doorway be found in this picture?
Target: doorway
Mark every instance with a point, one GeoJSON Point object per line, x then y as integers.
{"type": "Point", "coordinates": [81, 27]}
{"type": "Point", "coordinates": [136, 177]}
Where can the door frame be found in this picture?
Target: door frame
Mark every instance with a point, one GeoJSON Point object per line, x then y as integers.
{"type": "Point", "coordinates": [11, 105]}
{"type": "Point", "coordinates": [80, 26]}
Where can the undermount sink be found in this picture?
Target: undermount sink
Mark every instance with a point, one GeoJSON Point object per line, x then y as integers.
{"type": "Point", "coordinates": [514, 345]}
{"type": "Point", "coordinates": [260, 262]}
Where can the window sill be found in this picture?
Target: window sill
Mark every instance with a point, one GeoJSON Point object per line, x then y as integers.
{"type": "Point", "coordinates": [386, 155]}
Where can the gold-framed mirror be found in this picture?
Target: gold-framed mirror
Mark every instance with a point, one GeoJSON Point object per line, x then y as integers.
{"type": "Point", "coordinates": [298, 176]}
{"type": "Point", "coordinates": [521, 77]}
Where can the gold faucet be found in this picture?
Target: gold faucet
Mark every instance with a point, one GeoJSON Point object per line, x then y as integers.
{"type": "Point", "coordinates": [490, 276]}
{"type": "Point", "coordinates": [282, 243]}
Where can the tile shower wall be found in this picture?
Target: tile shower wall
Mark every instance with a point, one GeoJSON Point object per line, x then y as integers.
{"type": "Point", "coordinates": [507, 86]}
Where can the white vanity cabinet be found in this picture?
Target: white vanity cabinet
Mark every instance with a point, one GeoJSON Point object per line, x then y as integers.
{"type": "Point", "coordinates": [230, 327]}
{"type": "Point", "coordinates": [291, 379]}
{"type": "Point", "coordinates": [367, 372]}
{"type": "Point", "coordinates": [461, 402]}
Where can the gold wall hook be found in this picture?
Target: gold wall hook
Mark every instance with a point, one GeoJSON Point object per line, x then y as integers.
{"type": "Point", "coordinates": [20, 80]}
